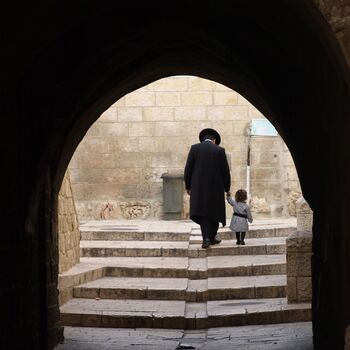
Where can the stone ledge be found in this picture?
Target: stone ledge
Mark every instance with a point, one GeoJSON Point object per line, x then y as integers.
{"type": "Point", "coordinates": [299, 241]}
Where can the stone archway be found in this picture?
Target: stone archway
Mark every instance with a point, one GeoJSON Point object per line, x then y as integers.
{"type": "Point", "coordinates": [281, 56]}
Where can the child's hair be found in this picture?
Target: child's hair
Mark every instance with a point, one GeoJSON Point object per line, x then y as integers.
{"type": "Point", "coordinates": [241, 196]}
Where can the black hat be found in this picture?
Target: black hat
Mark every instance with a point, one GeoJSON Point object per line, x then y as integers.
{"type": "Point", "coordinates": [212, 132]}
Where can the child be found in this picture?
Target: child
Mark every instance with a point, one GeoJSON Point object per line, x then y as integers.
{"type": "Point", "coordinates": [241, 214]}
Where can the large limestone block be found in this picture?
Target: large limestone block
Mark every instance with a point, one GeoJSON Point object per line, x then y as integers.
{"type": "Point", "coordinates": [158, 114]}
{"type": "Point", "coordinates": [151, 144]}
{"type": "Point", "coordinates": [254, 113]}
{"type": "Point", "coordinates": [179, 160]}
{"type": "Point", "coordinates": [105, 175]}
{"type": "Point", "coordinates": [168, 99]}
{"type": "Point", "coordinates": [221, 87]}
{"type": "Point", "coordinates": [227, 112]}
{"type": "Point", "coordinates": [97, 145]}
{"type": "Point", "coordinates": [196, 99]}
{"type": "Point", "coordinates": [140, 99]}
{"type": "Point", "coordinates": [84, 160]}
{"type": "Point", "coordinates": [170, 129]}
{"type": "Point", "coordinates": [240, 128]}
{"type": "Point", "coordinates": [304, 289]}
{"type": "Point", "coordinates": [225, 129]}
{"type": "Point", "coordinates": [242, 101]}
{"type": "Point", "coordinates": [129, 114]}
{"type": "Point", "coordinates": [102, 191]}
{"type": "Point", "coordinates": [304, 215]}
{"type": "Point", "coordinates": [224, 98]}
{"type": "Point", "coordinates": [195, 83]}
{"type": "Point", "coordinates": [265, 173]}
{"type": "Point", "coordinates": [110, 115]}
{"type": "Point", "coordinates": [125, 144]}
{"type": "Point", "coordinates": [269, 158]}
{"type": "Point", "coordinates": [266, 143]}
{"type": "Point", "coordinates": [190, 113]}
{"type": "Point", "coordinates": [108, 129]}
{"type": "Point", "coordinates": [133, 160]}
{"type": "Point", "coordinates": [177, 144]}
{"type": "Point", "coordinates": [193, 128]}
{"type": "Point", "coordinates": [292, 173]}
{"type": "Point", "coordinates": [142, 129]}
{"type": "Point", "coordinates": [235, 144]}
{"type": "Point", "coordinates": [160, 160]}
{"type": "Point", "coordinates": [299, 264]}
{"type": "Point", "coordinates": [288, 159]}
{"type": "Point", "coordinates": [299, 241]}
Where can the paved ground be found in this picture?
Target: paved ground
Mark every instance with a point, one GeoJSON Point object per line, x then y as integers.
{"type": "Point", "coordinates": [290, 336]}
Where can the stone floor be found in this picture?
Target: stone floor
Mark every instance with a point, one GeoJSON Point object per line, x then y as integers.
{"type": "Point", "coordinates": [288, 336]}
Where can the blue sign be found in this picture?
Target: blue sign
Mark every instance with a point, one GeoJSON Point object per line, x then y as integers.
{"type": "Point", "coordinates": [262, 127]}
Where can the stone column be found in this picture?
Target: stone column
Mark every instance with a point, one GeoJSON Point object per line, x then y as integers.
{"type": "Point", "coordinates": [299, 251]}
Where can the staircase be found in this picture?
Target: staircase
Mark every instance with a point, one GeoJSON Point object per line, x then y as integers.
{"type": "Point", "coordinates": [156, 275]}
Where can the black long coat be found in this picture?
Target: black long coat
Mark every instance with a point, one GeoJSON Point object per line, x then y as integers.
{"type": "Point", "coordinates": [207, 175]}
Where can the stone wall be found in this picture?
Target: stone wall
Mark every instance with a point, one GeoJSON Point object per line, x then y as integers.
{"type": "Point", "coordinates": [116, 170]}
{"type": "Point", "coordinates": [68, 227]}
{"type": "Point", "coordinates": [274, 181]}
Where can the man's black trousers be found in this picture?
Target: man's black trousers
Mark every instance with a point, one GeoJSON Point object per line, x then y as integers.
{"type": "Point", "coordinates": [209, 228]}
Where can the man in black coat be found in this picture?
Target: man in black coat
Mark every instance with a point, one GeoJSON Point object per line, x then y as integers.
{"type": "Point", "coordinates": [207, 178]}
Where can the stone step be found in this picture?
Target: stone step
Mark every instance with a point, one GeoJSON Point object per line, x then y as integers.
{"type": "Point", "coordinates": [136, 230]}
{"type": "Point", "coordinates": [192, 268]}
{"type": "Point", "coordinates": [178, 314]}
{"type": "Point", "coordinates": [255, 232]}
{"type": "Point", "coordinates": [134, 248]}
{"type": "Point", "coordinates": [254, 246]}
{"type": "Point", "coordinates": [134, 236]}
{"type": "Point", "coordinates": [182, 234]}
{"type": "Point", "coordinates": [213, 288]}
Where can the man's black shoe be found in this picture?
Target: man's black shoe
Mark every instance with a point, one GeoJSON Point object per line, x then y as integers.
{"type": "Point", "coordinates": [215, 241]}
{"type": "Point", "coordinates": [206, 243]}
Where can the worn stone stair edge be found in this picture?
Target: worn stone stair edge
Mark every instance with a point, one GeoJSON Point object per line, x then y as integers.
{"type": "Point", "coordinates": [192, 251]}
{"type": "Point", "coordinates": [276, 291]}
{"type": "Point", "coordinates": [179, 236]}
{"type": "Point", "coordinates": [145, 320]}
{"type": "Point", "coordinates": [254, 270]}
{"type": "Point", "coordinates": [222, 288]}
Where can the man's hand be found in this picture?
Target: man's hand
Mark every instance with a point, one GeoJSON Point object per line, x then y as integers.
{"type": "Point", "coordinates": [188, 192]}
{"type": "Point", "coordinates": [228, 194]}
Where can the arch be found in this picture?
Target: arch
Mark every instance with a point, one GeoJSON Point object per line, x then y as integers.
{"type": "Point", "coordinates": [281, 56]}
